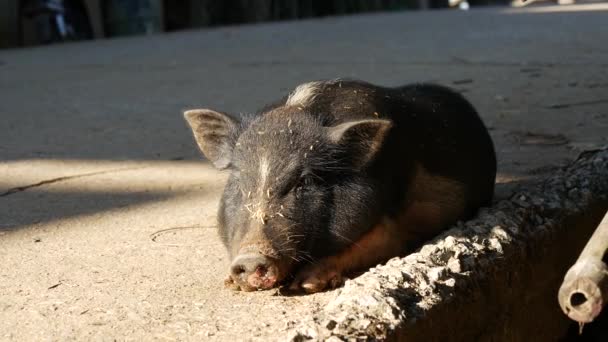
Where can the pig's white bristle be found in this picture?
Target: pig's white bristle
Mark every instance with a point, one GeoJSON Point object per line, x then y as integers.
{"type": "Point", "coordinates": [264, 171]}
{"type": "Point", "coordinates": [304, 94]}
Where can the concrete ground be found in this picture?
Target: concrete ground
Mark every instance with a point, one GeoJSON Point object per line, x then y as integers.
{"type": "Point", "coordinates": [107, 212]}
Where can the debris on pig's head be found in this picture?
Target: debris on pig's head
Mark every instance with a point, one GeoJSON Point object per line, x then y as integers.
{"type": "Point", "coordinates": [217, 134]}
{"type": "Point", "coordinates": [295, 186]}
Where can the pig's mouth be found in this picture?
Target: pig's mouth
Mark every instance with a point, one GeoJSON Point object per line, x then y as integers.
{"type": "Point", "coordinates": [253, 271]}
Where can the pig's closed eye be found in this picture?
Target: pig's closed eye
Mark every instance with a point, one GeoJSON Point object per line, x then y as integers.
{"type": "Point", "coordinates": [303, 184]}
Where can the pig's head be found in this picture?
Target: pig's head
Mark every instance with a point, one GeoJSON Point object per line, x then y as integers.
{"type": "Point", "coordinates": [297, 189]}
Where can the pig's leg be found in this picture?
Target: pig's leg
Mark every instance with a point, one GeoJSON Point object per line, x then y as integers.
{"type": "Point", "coordinates": [386, 240]}
{"type": "Point", "coordinates": [376, 246]}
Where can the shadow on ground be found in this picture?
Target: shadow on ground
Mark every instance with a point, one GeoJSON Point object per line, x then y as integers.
{"type": "Point", "coordinates": [44, 190]}
{"type": "Point", "coordinates": [37, 206]}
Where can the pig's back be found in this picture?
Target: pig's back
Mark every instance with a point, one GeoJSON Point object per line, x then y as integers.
{"type": "Point", "coordinates": [438, 152]}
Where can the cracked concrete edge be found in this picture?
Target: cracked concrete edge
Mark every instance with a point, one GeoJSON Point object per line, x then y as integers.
{"type": "Point", "coordinates": [389, 297]}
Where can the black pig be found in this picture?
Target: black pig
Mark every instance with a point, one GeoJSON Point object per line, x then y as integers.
{"type": "Point", "coordinates": [341, 175]}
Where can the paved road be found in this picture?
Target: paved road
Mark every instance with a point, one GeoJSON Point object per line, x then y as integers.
{"type": "Point", "coordinates": [107, 210]}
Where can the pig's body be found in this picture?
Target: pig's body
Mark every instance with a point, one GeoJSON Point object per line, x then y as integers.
{"type": "Point", "coordinates": [342, 175]}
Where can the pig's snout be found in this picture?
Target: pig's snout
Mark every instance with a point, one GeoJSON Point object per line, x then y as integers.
{"type": "Point", "coordinates": [254, 271]}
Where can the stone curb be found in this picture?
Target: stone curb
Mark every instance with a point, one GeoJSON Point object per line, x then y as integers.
{"type": "Point", "coordinates": [406, 296]}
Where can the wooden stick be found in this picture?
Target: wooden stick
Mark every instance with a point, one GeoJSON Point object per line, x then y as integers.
{"type": "Point", "coordinates": [584, 290]}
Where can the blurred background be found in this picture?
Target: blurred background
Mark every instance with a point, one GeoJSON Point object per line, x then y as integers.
{"type": "Point", "coordinates": [34, 22]}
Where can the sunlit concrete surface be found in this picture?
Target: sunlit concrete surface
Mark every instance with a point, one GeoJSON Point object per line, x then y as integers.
{"type": "Point", "coordinates": [107, 210]}
{"type": "Point", "coordinates": [104, 175]}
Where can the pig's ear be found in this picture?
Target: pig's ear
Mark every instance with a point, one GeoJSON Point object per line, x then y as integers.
{"type": "Point", "coordinates": [214, 134]}
{"type": "Point", "coordinates": [362, 138]}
